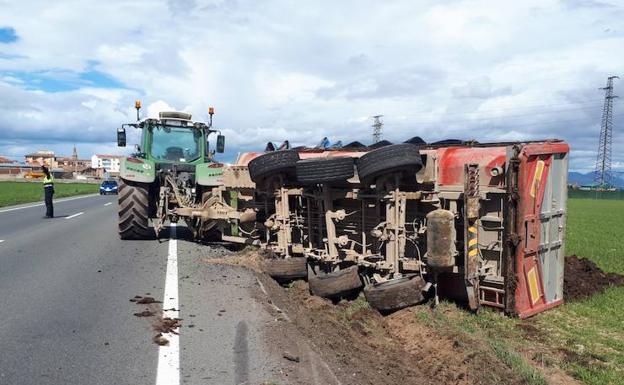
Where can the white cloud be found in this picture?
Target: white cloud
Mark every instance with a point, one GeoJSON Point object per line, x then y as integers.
{"type": "Point", "coordinates": [278, 70]}
{"type": "Point", "coordinates": [159, 106]}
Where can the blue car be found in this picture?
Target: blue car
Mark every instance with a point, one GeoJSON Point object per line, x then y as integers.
{"type": "Point", "coordinates": [108, 187]}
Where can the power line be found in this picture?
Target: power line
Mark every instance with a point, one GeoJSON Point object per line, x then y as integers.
{"type": "Point", "coordinates": [603, 160]}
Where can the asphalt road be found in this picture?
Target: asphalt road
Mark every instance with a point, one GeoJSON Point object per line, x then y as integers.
{"type": "Point", "coordinates": [66, 318]}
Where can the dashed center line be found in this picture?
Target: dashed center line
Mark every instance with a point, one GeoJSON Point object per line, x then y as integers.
{"type": "Point", "coordinates": [75, 215]}
{"type": "Point", "coordinates": [41, 204]}
{"type": "Point", "coordinates": [1, 240]}
{"type": "Point", "coordinates": [169, 355]}
{"type": "Point", "coordinates": [108, 204]}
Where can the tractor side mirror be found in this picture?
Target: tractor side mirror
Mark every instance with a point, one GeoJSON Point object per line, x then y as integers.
{"type": "Point", "coordinates": [220, 143]}
{"type": "Point", "coordinates": [121, 137]}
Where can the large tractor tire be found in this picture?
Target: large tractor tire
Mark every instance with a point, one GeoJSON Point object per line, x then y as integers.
{"type": "Point", "coordinates": [325, 170]}
{"type": "Point", "coordinates": [395, 157]}
{"type": "Point", "coordinates": [286, 269]}
{"type": "Point", "coordinates": [133, 210]}
{"type": "Point", "coordinates": [335, 284]}
{"type": "Point", "coordinates": [273, 163]}
{"type": "Point", "coordinates": [395, 294]}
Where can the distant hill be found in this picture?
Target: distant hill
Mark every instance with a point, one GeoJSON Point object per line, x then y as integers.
{"type": "Point", "coordinates": [588, 178]}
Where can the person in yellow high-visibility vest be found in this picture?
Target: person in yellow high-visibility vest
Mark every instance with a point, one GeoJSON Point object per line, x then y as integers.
{"type": "Point", "coordinates": [48, 189]}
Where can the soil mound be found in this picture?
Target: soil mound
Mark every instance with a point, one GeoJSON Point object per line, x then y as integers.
{"type": "Point", "coordinates": [582, 279]}
{"type": "Point", "coordinates": [364, 348]}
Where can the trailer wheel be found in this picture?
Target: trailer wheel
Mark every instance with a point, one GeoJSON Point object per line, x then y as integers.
{"type": "Point", "coordinates": [271, 163]}
{"type": "Point", "coordinates": [336, 283]}
{"type": "Point", "coordinates": [395, 294]}
{"type": "Point", "coordinates": [133, 202]}
{"type": "Point", "coordinates": [286, 269]}
{"type": "Point", "coordinates": [325, 170]}
{"type": "Point", "coordinates": [396, 157]}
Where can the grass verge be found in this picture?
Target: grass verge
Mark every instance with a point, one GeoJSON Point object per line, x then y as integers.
{"type": "Point", "coordinates": [590, 333]}
{"type": "Point", "coordinates": [489, 334]}
{"type": "Point", "coordinates": [585, 339]}
{"type": "Point", "coordinates": [13, 193]}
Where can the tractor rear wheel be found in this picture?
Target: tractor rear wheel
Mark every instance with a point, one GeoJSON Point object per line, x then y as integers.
{"type": "Point", "coordinates": [133, 210]}
{"type": "Point", "coordinates": [395, 294]}
{"type": "Point", "coordinates": [335, 284]}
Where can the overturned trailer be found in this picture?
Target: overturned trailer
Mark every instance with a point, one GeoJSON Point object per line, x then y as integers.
{"type": "Point", "coordinates": [478, 223]}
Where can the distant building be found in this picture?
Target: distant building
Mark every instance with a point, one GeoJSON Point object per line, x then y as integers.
{"type": "Point", "coordinates": [5, 160]}
{"type": "Point", "coordinates": [107, 165]}
{"type": "Point", "coordinates": [41, 158]}
{"type": "Point", "coordinates": [13, 168]}
{"type": "Point", "coordinates": [70, 164]}
{"type": "Point", "coordinates": [64, 166]}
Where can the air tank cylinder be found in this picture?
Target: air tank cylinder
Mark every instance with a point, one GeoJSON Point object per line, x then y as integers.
{"type": "Point", "coordinates": [441, 237]}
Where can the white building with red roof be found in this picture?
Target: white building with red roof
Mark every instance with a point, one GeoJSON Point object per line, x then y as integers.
{"type": "Point", "coordinates": [106, 163]}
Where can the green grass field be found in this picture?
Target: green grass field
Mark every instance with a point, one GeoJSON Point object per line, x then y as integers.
{"type": "Point", "coordinates": [595, 229]}
{"type": "Point", "coordinates": [13, 193]}
{"type": "Point", "coordinates": [593, 330]}
{"type": "Point", "coordinates": [583, 339]}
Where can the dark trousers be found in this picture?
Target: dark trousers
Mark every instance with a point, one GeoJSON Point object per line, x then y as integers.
{"type": "Point", "coordinates": [49, 191]}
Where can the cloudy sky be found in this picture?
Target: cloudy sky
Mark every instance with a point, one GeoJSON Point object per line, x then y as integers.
{"type": "Point", "coordinates": [486, 70]}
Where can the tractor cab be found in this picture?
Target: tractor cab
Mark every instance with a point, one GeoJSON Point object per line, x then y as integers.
{"type": "Point", "coordinates": [174, 138]}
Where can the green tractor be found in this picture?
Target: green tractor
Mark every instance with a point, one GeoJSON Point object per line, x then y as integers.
{"type": "Point", "coordinates": [172, 176]}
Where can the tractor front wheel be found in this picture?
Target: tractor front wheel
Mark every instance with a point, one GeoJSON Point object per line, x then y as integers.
{"type": "Point", "coordinates": [133, 210]}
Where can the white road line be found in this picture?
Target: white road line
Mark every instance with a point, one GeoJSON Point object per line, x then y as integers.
{"type": "Point", "coordinates": [272, 304]}
{"type": "Point", "coordinates": [41, 204]}
{"type": "Point", "coordinates": [1, 240]}
{"type": "Point", "coordinates": [75, 215]}
{"type": "Point", "coordinates": [108, 204]}
{"type": "Point", "coordinates": [169, 356]}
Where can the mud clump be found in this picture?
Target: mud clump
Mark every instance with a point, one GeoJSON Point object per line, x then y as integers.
{"type": "Point", "coordinates": [160, 340]}
{"type": "Point", "coordinates": [143, 300]}
{"type": "Point", "coordinates": [146, 300]}
{"type": "Point", "coordinates": [145, 313]}
{"type": "Point", "coordinates": [582, 279]}
{"type": "Point", "coordinates": [249, 259]}
{"type": "Point", "coordinates": [167, 325]}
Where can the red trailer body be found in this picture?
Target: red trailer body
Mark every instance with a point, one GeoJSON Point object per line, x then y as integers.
{"type": "Point", "coordinates": [511, 251]}
{"type": "Point", "coordinates": [536, 191]}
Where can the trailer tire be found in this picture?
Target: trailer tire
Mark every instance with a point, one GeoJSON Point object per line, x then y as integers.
{"type": "Point", "coordinates": [133, 209]}
{"type": "Point", "coordinates": [286, 269]}
{"type": "Point", "coordinates": [395, 157]}
{"type": "Point", "coordinates": [395, 294]}
{"type": "Point", "coordinates": [336, 283]}
{"type": "Point", "coordinates": [273, 162]}
{"type": "Point", "coordinates": [325, 170]}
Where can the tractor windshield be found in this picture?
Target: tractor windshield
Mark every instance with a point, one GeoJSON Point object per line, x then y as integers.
{"type": "Point", "coordinates": [176, 144]}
